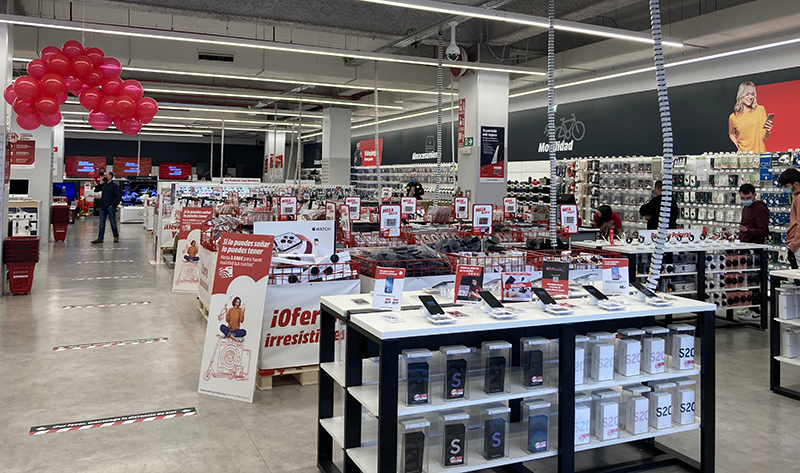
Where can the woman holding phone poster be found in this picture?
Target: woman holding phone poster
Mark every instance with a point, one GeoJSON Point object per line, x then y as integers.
{"type": "Point", "coordinates": [749, 127]}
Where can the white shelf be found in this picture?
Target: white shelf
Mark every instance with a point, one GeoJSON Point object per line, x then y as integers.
{"type": "Point", "coordinates": [791, 361]}
{"type": "Point", "coordinates": [788, 321]}
{"type": "Point", "coordinates": [367, 395]}
{"type": "Point", "coordinates": [335, 427]}
{"type": "Point", "coordinates": [625, 437]}
{"type": "Point", "coordinates": [369, 371]}
{"type": "Point", "coordinates": [733, 271]}
{"type": "Point", "coordinates": [668, 274]}
{"type": "Point", "coordinates": [620, 380]}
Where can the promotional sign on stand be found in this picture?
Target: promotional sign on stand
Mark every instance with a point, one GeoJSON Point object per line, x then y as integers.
{"type": "Point", "coordinates": [330, 210]}
{"type": "Point", "coordinates": [509, 207]}
{"type": "Point", "coordinates": [344, 222]}
{"type": "Point", "coordinates": [287, 209]}
{"type": "Point", "coordinates": [235, 317]}
{"type": "Point", "coordinates": [386, 194]}
{"type": "Point", "coordinates": [408, 207]}
{"type": "Point", "coordinates": [388, 291]}
{"type": "Point", "coordinates": [390, 221]}
{"type": "Point", "coordinates": [616, 276]}
{"type": "Point", "coordinates": [482, 219]}
{"type": "Point", "coordinates": [208, 262]}
{"type": "Point", "coordinates": [469, 280]}
{"type": "Point", "coordinates": [354, 204]}
{"type": "Point", "coordinates": [305, 237]}
{"type": "Point", "coordinates": [569, 218]}
{"type": "Point", "coordinates": [187, 262]}
{"type": "Point", "coordinates": [461, 206]}
{"type": "Point", "coordinates": [493, 159]}
{"type": "Point", "coordinates": [555, 277]}
{"type": "Point", "coordinates": [516, 286]}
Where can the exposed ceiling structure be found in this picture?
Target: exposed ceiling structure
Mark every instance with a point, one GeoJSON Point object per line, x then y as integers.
{"type": "Point", "coordinates": [252, 84]}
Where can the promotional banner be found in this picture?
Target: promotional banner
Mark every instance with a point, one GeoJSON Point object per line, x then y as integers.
{"type": "Point", "coordinates": [22, 153]}
{"type": "Point", "coordinates": [344, 222]}
{"type": "Point", "coordinates": [124, 167]}
{"type": "Point", "coordinates": [469, 280]}
{"type": "Point", "coordinates": [509, 207]}
{"type": "Point", "coordinates": [290, 332]}
{"type": "Point", "coordinates": [462, 121]}
{"type": "Point", "coordinates": [493, 154]}
{"type": "Point", "coordinates": [569, 218]}
{"type": "Point", "coordinates": [388, 290]}
{"type": "Point", "coordinates": [304, 237]}
{"type": "Point", "coordinates": [287, 209]}
{"type": "Point", "coordinates": [461, 206]}
{"type": "Point", "coordinates": [390, 221]}
{"type": "Point", "coordinates": [274, 147]}
{"type": "Point", "coordinates": [235, 316]}
{"type": "Point", "coordinates": [330, 210]}
{"type": "Point", "coordinates": [174, 171]}
{"type": "Point", "coordinates": [83, 166]}
{"type": "Point", "coordinates": [365, 153]}
{"type": "Point", "coordinates": [355, 207]}
{"type": "Point", "coordinates": [408, 207]}
{"type": "Point", "coordinates": [386, 194]}
{"type": "Point", "coordinates": [208, 262]}
{"type": "Point", "coordinates": [168, 234]}
{"type": "Point", "coordinates": [187, 261]}
{"type": "Point", "coordinates": [516, 286]}
{"type": "Point", "coordinates": [482, 219]}
{"type": "Point", "coordinates": [555, 277]}
{"type": "Point", "coordinates": [615, 276]}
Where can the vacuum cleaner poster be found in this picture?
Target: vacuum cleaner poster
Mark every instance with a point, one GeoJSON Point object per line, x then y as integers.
{"type": "Point", "coordinates": [493, 154]}
{"type": "Point", "coordinates": [235, 317]}
{"type": "Point", "coordinates": [187, 259]}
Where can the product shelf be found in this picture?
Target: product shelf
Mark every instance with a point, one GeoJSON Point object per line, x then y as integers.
{"type": "Point", "coordinates": [337, 371]}
{"type": "Point", "coordinates": [335, 427]}
{"type": "Point", "coordinates": [795, 322]}
{"type": "Point", "coordinates": [668, 274]}
{"type": "Point", "coordinates": [620, 380]}
{"type": "Point", "coordinates": [791, 361]}
{"type": "Point", "coordinates": [625, 437]}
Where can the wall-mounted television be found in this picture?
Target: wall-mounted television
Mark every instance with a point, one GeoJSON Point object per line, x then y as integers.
{"type": "Point", "coordinates": [124, 167]}
{"type": "Point", "coordinates": [174, 171]}
{"type": "Point", "coordinates": [83, 166]}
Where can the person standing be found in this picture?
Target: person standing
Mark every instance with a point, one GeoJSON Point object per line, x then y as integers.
{"type": "Point", "coordinates": [652, 210]}
{"type": "Point", "coordinates": [790, 181]}
{"type": "Point", "coordinates": [748, 126]}
{"type": "Point", "coordinates": [414, 188]}
{"type": "Point", "coordinates": [754, 226]}
{"type": "Point", "coordinates": [111, 196]}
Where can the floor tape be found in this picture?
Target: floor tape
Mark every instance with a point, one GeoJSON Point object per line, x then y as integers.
{"type": "Point", "coordinates": [111, 344]}
{"type": "Point", "coordinates": [106, 261]}
{"type": "Point", "coordinates": [134, 276]}
{"type": "Point", "coordinates": [107, 422]}
{"type": "Point", "coordinates": [106, 249]}
{"type": "Point", "coordinates": [100, 306]}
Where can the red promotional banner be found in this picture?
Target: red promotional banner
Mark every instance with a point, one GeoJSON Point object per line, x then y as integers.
{"type": "Point", "coordinates": [83, 166]}
{"type": "Point", "coordinates": [390, 221]}
{"type": "Point", "coordinates": [354, 203]}
{"type": "Point", "coordinates": [482, 219]}
{"type": "Point", "coordinates": [344, 222]}
{"type": "Point", "coordinates": [22, 152]}
{"type": "Point", "coordinates": [124, 167]}
{"type": "Point", "coordinates": [408, 207]}
{"type": "Point", "coordinates": [242, 254]}
{"type": "Point", "coordinates": [330, 210]}
{"type": "Point", "coordinates": [365, 153]}
{"type": "Point", "coordinates": [469, 280]}
{"type": "Point", "coordinates": [462, 112]}
{"type": "Point", "coordinates": [174, 171]}
{"type": "Point", "coordinates": [287, 210]}
{"type": "Point", "coordinates": [782, 99]}
{"type": "Point", "coordinates": [509, 207]}
{"type": "Point", "coordinates": [193, 217]}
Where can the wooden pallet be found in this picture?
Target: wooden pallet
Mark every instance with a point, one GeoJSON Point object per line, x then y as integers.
{"type": "Point", "coordinates": [305, 375]}
{"type": "Point", "coordinates": [202, 307]}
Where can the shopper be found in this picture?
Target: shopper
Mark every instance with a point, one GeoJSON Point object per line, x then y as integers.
{"type": "Point", "coordinates": [234, 319]}
{"type": "Point", "coordinates": [748, 126]}
{"type": "Point", "coordinates": [754, 226]}
{"type": "Point", "coordinates": [790, 181]}
{"type": "Point", "coordinates": [606, 220]}
{"type": "Point", "coordinates": [651, 211]}
{"type": "Point", "coordinates": [109, 200]}
{"type": "Point", "coordinates": [414, 188]}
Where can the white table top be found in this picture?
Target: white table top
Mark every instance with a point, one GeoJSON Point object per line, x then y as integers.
{"type": "Point", "coordinates": [344, 306]}
{"type": "Point", "coordinates": [415, 325]}
{"type": "Point", "coordinates": [681, 248]}
{"type": "Point", "coordinates": [786, 273]}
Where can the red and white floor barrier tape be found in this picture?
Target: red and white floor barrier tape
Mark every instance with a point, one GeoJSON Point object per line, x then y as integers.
{"type": "Point", "coordinates": [111, 344]}
{"type": "Point", "coordinates": [106, 261]}
{"type": "Point", "coordinates": [107, 422]}
{"type": "Point", "coordinates": [135, 276]}
{"type": "Point", "coordinates": [100, 306]}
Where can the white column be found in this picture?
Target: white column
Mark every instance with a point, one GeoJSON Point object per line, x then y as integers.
{"type": "Point", "coordinates": [6, 70]}
{"type": "Point", "coordinates": [336, 146]}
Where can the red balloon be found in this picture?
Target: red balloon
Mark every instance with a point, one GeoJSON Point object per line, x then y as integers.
{"type": "Point", "coordinates": [58, 63]}
{"type": "Point", "coordinates": [80, 91]}
{"type": "Point", "coordinates": [107, 106]}
{"type": "Point", "coordinates": [74, 84]}
{"type": "Point", "coordinates": [100, 121]}
{"type": "Point", "coordinates": [112, 86]}
{"type": "Point", "coordinates": [125, 106]}
{"type": "Point", "coordinates": [96, 55]}
{"type": "Point", "coordinates": [81, 65]}
{"type": "Point", "coordinates": [111, 67]}
{"type": "Point", "coordinates": [24, 108]}
{"type": "Point", "coordinates": [49, 51]}
{"type": "Point", "coordinates": [29, 123]}
{"type": "Point", "coordinates": [9, 94]}
{"type": "Point", "coordinates": [146, 120]}
{"type": "Point", "coordinates": [132, 88]}
{"type": "Point", "coordinates": [27, 87]}
{"type": "Point", "coordinates": [53, 84]}
{"type": "Point", "coordinates": [117, 121]}
{"type": "Point", "coordinates": [72, 48]}
{"type": "Point", "coordinates": [37, 68]}
{"type": "Point", "coordinates": [146, 107]}
{"type": "Point", "coordinates": [130, 126]}
{"type": "Point", "coordinates": [61, 98]}
{"type": "Point", "coordinates": [52, 120]}
{"type": "Point", "coordinates": [46, 105]}
{"type": "Point", "coordinates": [94, 78]}
{"type": "Point", "coordinates": [90, 99]}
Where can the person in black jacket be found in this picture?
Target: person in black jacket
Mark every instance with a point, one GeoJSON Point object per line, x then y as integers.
{"type": "Point", "coordinates": [111, 196]}
{"type": "Point", "coordinates": [652, 210]}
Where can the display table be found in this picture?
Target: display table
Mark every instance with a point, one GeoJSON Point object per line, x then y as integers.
{"type": "Point", "coordinates": [357, 376]}
{"type": "Point", "coordinates": [776, 325]}
{"type": "Point", "coordinates": [132, 214]}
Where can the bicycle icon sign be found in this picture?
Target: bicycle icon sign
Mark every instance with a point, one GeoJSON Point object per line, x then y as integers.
{"type": "Point", "coordinates": [570, 129]}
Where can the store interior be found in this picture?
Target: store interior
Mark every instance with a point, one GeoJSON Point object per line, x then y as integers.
{"type": "Point", "coordinates": [376, 236]}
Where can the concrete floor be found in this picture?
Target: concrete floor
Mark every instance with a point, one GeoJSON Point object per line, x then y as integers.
{"type": "Point", "coordinates": [757, 430]}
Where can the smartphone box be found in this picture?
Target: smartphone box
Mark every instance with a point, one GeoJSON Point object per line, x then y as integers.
{"type": "Point", "coordinates": [580, 357]}
{"type": "Point", "coordinates": [653, 355]}
{"type": "Point", "coordinates": [660, 410]}
{"type": "Point", "coordinates": [583, 424]}
{"type": "Point", "coordinates": [682, 351]}
{"type": "Point", "coordinates": [630, 355]}
{"type": "Point", "coordinates": [607, 420]}
{"type": "Point", "coordinates": [790, 348]}
{"type": "Point", "coordinates": [636, 420]}
{"type": "Point", "coordinates": [603, 362]}
{"type": "Point", "coordinates": [787, 304]}
{"type": "Point", "coordinates": [684, 406]}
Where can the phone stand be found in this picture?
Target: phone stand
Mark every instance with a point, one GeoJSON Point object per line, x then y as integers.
{"type": "Point", "coordinates": [592, 300]}
{"type": "Point", "coordinates": [640, 296]}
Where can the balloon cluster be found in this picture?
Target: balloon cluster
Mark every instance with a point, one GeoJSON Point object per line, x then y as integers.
{"type": "Point", "coordinates": [89, 75]}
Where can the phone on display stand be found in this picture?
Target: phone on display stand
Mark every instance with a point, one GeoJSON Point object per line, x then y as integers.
{"type": "Point", "coordinates": [543, 296]}
{"type": "Point", "coordinates": [644, 289]}
{"type": "Point", "coordinates": [595, 293]}
{"type": "Point", "coordinates": [490, 300]}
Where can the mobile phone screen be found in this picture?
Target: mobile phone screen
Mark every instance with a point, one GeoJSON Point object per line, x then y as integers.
{"type": "Point", "coordinates": [489, 298]}
{"type": "Point", "coordinates": [389, 288]}
{"type": "Point", "coordinates": [644, 289]}
{"type": "Point", "coordinates": [543, 296]}
{"type": "Point", "coordinates": [431, 305]}
{"type": "Point", "coordinates": [594, 292]}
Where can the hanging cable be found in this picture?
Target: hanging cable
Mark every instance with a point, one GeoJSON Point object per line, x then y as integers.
{"type": "Point", "coordinates": [453, 144]}
{"type": "Point", "coordinates": [439, 80]}
{"type": "Point", "coordinates": [377, 140]}
{"type": "Point", "coordinates": [299, 165]}
{"type": "Point", "coordinates": [666, 132]}
{"type": "Point", "coordinates": [551, 120]}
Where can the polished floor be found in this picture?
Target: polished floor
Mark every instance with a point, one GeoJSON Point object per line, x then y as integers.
{"type": "Point", "coordinates": [757, 430]}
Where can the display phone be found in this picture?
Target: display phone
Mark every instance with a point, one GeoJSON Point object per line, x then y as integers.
{"type": "Point", "coordinates": [418, 376]}
{"type": "Point", "coordinates": [534, 369]}
{"type": "Point", "coordinates": [389, 287]}
{"type": "Point", "coordinates": [543, 296]}
{"type": "Point", "coordinates": [413, 454]}
{"type": "Point", "coordinates": [495, 439]}
{"type": "Point", "coordinates": [495, 375]}
{"type": "Point", "coordinates": [455, 441]}
{"type": "Point", "coordinates": [538, 427]}
{"type": "Point", "coordinates": [443, 283]}
{"type": "Point", "coordinates": [489, 298]}
{"type": "Point", "coordinates": [431, 305]}
{"type": "Point", "coordinates": [615, 272]}
{"type": "Point", "coordinates": [594, 292]}
{"type": "Point", "coordinates": [456, 379]}
{"type": "Point", "coordinates": [360, 301]}
{"type": "Point", "coordinates": [770, 118]}
{"type": "Point", "coordinates": [644, 289]}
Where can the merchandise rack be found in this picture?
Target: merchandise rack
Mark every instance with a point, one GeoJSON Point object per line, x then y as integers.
{"type": "Point", "coordinates": [365, 328]}
{"type": "Point", "coordinates": [364, 179]}
{"type": "Point", "coordinates": [775, 358]}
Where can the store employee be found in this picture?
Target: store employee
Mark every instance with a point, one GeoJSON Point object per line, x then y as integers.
{"type": "Point", "coordinates": [652, 210]}
{"type": "Point", "coordinates": [606, 220]}
{"type": "Point", "coordinates": [754, 226]}
{"type": "Point", "coordinates": [414, 188]}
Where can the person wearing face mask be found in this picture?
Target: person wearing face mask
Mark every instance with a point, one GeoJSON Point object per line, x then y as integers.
{"type": "Point", "coordinates": [754, 226]}
{"type": "Point", "coordinates": [790, 181]}
{"type": "Point", "coordinates": [652, 210]}
{"type": "Point", "coordinates": [414, 188]}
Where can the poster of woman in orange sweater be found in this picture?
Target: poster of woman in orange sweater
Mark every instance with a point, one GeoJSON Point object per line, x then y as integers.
{"type": "Point", "coordinates": [748, 126]}
{"type": "Point", "coordinates": [234, 319]}
{"type": "Point", "coordinates": [191, 252]}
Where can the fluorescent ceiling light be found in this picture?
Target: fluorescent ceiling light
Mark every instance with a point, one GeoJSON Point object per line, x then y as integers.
{"type": "Point", "coordinates": [185, 131]}
{"type": "Point", "coordinates": [522, 19]}
{"type": "Point", "coordinates": [255, 111]}
{"type": "Point", "coordinates": [387, 120]}
{"type": "Point", "coordinates": [191, 119]}
{"type": "Point", "coordinates": [127, 31]}
{"type": "Point", "coordinates": [184, 135]}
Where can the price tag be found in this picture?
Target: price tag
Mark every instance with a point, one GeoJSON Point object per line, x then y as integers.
{"type": "Point", "coordinates": [461, 205]}
{"type": "Point", "coordinates": [569, 218]}
{"type": "Point", "coordinates": [390, 221]}
{"type": "Point", "coordinates": [354, 204]}
{"type": "Point", "coordinates": [408, 207]}
{"type": "Point", "coordinates": [509, 207]}
{"type": "Point", "coordinates": [287, 208]}
{"type": "Point", "coordinates": [330, 210]}
{"type": "Point", "coordinates": [482, 219]}
{"type": "Point", "coordinates": [386, 194]}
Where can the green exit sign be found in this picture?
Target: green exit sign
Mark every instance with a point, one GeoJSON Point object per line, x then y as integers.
{"type": "Point", "coordinates": [469, 141]}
